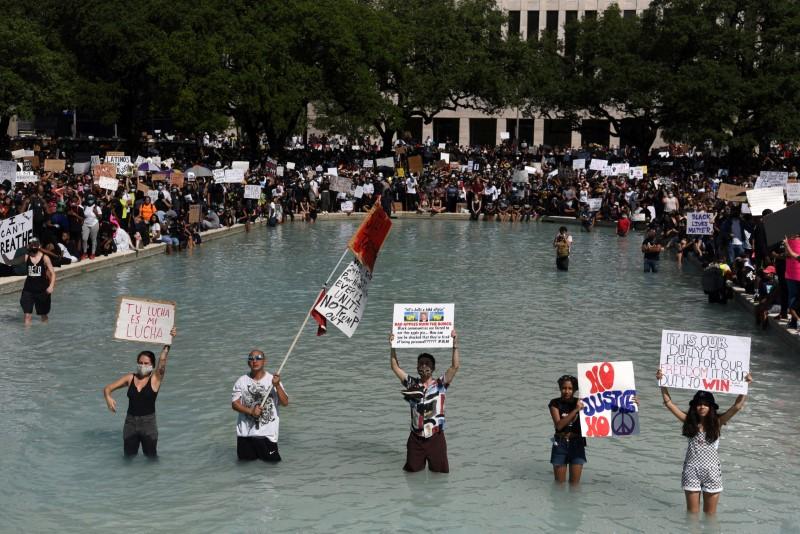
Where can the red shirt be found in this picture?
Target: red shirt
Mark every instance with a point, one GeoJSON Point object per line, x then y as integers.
{"type": "Point", "coordinates": [623, 226]}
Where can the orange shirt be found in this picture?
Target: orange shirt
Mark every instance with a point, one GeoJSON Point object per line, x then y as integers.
{"type": "Point", "coordinates": [147, 211]}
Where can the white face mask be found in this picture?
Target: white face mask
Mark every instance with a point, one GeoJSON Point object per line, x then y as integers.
{"type": "Point", "coordinates": [143, 369]}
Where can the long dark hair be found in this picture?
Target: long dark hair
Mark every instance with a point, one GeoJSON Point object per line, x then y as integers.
{"type": "Point", "coordinates": [711, 424]}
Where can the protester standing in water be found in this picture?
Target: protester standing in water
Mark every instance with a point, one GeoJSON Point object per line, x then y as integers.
{"type": "Point", "coordinates": [568, 444]}
{"type": "Point", "coordinates": [563, 245]}
{"type": "Point", "coordinates": [143, 387]}
{"type": "Point", "coordinates": [702, 425]}
{"type": "Point", "coordinates": [425, 396]}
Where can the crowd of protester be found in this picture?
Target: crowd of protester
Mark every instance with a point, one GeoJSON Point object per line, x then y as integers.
{"type": "Point", "coordinates": [76, 220]}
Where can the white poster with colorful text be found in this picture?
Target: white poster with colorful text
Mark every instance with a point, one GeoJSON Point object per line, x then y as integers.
{"type": "Point", "coordinates": [423, 325]}
{"type": "Point", "coordinates": [607, 390]}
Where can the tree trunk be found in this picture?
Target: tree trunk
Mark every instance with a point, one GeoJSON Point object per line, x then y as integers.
{"type": "Point", "coordinates": [5, 141]}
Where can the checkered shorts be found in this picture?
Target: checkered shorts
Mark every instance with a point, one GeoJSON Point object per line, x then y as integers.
{"type": "Point", "coordinates": [701, 469]}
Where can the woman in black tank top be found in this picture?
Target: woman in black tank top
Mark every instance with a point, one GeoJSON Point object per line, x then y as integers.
{"type": "Point", "coordinates": [143, 386]}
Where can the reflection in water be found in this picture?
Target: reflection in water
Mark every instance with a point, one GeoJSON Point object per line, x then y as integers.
{"type": "Point", "coordinates": [522, 325]}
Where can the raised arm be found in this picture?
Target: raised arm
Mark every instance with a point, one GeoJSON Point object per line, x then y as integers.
{"type": "Point", "coordinates": [395, 365]}
{"type": "Point", "coordinates": [113, 386]}
{"type": "Point", "coordinates": [677, 412]}
{"type": "Point", "coordinates": [161, 368]}
{"type": "Point", "coordinates": [738, 404]}
{"type": "Point", "coordinates": [450, 374]}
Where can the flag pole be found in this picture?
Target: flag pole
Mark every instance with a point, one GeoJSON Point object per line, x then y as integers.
{"type": "Point", "coordinates": [302, 326]}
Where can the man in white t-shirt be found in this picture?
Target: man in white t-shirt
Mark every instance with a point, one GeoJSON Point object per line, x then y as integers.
{"type": "Point", "coordinates": [257, 425]}
{"type": "Point", "coordinates": [411, 193]}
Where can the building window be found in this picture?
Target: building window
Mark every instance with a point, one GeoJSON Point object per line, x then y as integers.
{"type": "Point", "coordinates": [533, 25]}
{"type": "Point", "coordinates": [445, 130]}
{"type": "Point", "coordinates": [557, 132]}
{"type": "Point", "coordinates": [525, 127]}
{"type": "Point", "coordinates": [590, 15]}
{"type": "Point", "coordinates": [513, 23]}
{"type": "Point", "coordinates": [629, 13]}
{"type": "Point", "coordinates": [570, 32]}
{"type": "Point", "coordinates": [483, 132]}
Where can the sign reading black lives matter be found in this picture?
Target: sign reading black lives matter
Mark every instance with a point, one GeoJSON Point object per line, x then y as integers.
{"type": "Point", "coordinates": [423, 325]}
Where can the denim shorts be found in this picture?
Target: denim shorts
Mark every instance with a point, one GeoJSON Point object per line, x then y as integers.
{"type": "Point", "coordinates": [568, 451]}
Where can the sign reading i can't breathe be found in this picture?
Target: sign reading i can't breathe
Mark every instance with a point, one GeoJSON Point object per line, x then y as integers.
{"type": "Point", "coordinates": [607, 390]}
{"type": "Point", "coordinates": [712, 362]}
{"type": "Point", "coordinates": [145, 320]}
{"type": "Point", "coordinates": [423, 325]}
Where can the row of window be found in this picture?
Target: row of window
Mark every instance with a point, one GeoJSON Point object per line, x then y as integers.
{"type": "Point", "coordinates": [555, 132]}
{"type": "Point", "coordinates": [550, 21]}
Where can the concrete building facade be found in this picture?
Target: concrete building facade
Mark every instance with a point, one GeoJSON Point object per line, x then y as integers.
{"type": "Point", "coordinates": [530, 19]}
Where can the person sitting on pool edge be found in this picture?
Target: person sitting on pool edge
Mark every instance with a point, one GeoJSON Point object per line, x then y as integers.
{"type": "Point", "coordinates": [425, 396]}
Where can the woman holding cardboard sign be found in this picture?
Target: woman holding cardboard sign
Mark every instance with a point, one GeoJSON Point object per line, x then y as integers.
{"type": "Point", "coordinates": [702, 425]}
{"type": "Point", "coordinates": [143, 385]}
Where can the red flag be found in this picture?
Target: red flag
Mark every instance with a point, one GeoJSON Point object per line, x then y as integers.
{"type": "Point", "coordinates": [367, 241]}
{"type": "Point", "coordinates": [322, 323]}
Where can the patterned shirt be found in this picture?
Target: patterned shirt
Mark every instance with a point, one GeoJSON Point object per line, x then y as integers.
{"type": "Point", "coordinates": [427, 414]}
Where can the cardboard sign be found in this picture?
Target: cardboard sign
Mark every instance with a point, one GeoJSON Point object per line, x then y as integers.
{"type": "Point", "coordinates": [145, 320]}
{"type": "Point", "coordinates": [711, 362]}
{"type": "Point", "coordinates": [108, 183]}
{"type": "Point", "coordinates": [368, 239]}
{"type": "Point", "coordinates": [341, 184]}
{"type": "Point", "coordinates": [765, 198]}
{"type": "Point", "coordinates": [177, 178]}
{"type": "Point", "coordinates": [8, 171]}
{"type": "Point", "coordinates": [107, 170]}
{"type": "Point", "coordinates": [793, 191]}
{"type": "Point", "coordinates": [114, 154]}
{"type": "Point", "coordinates": [607, 390]}
{"type": "Point", "coordinates": [252, 191]}
{"type": "Point", "coordinates": [26, 177]}
{"type": "Point", "coordinates": [423, 325]}
{"type": "Point", "coordinates": [55, 165]}
{"type": "Point", "coordinates": [783, 223]}
{"type": "Point", "coordinates": [598, 164]}
{"type": "Point", "coordinates": [244, 165]}
{"type": "Point", "coordinates": [14, 234]}
{"type": "Point", "coordinates": [594, 203]}
{"type": "Point", "coordinates": [771, 179]}
{"type": "Point", "coordinates": [699, 223]}
{"type": "Point", "coordinates": [444, 156]}
{"type": "Point", "coordinates": [415, 164]}
{"type": "Point", "coordinates": [195, 213]}
{"type": "Point", "coordinates": [732, 193]}
{"type": "Point", "coordinates": [578, 164]}
{"type": "Point", "coordinates": [159, 177]}
{"type": "Point", "coordinates": [343, 305]}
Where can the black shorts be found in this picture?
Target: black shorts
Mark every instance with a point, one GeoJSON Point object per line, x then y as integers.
{"type": "Point", "coordinates": [257, 449]}
{"type": "Point", "coordinates": [41, 301]}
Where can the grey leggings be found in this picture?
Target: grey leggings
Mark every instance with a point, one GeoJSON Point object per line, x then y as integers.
{"type": "Point", "coordinates": [85, 233]}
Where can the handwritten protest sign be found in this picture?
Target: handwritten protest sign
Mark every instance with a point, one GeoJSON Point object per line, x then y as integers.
{"type": "Point", "coordinates": [368, 239]}
{"type": "Point", "coordinates": [177, 178]}
{"type": "Point", "coordinates": [520, 176]}
{"type": "Point", "coordinates": [14, 234]}
{"type": "Point", "coordinates": [712, 362]}
{"type": "Point", "coordinates": [107, 170]}
{"type": "Point", "coordinates": [55, 165]}
{"type": "Point", "coordinates": [607, 390]}
{"type": "Point", "coordinates": [347, 206]}
{"type": "Point", "coordinates": [444, 156]}
{"type": "Point", "coordinates": [594, 203]}
{"type": "Point", "coordinates": [81, 167]}
{"type": "Point", "coordinates": [699, 223]}
{"type": "Point", "coordinates": [793, 191]}
{"type": "Point", "coordinates": [108, 183]}
{"type": "Point", "coordinates": [771, 179]}
{"type": "Point", "coordinates": [638, 172]}
{"type": "Point", "coordinates": [620, 168]}
{"type": "Point", "coordinates": [765, 198]}
{"type": "Point", "coordinates": [423, 325]}
{"type": "Point", "coordinates": [385, 162]}
{"type": "Point", "coordinates": [598, 164]}
{"type": "Point", "coordinates": [341, 184]}
{"type": "Point", "coordinates": [343, 305]}
{"type": "Point", "coordinates": [26, 177]}
{"type": "Point", "coordinates": [415, 164]}
{"type": "Point", "coordinates": [252, 191]}
{"type": "Point", "coordinates": [145, 320]}
{"type": "Point", "coordinates": [219, 175]}
{"type": "Point", "coordinates": [732, 193]}
{"type": "Point", "coordinates": [332, 171]}
{"type": "Point", "coordinates": [244, 165]}
{"type": "Point", "coordinates": [195, 213]}
{"type": "Point", "coordinates": [234, 176]}
{"type": "Point", "coordinates": [505, 135]}
{"type": "Point", "coordinates": [578, 164]}
{"type": "Point", "coordinates": [114, 154]}
{"type": "Point", "coordinates": [8, 171]}
{"type": "Point", "coordinates": [358, 192]}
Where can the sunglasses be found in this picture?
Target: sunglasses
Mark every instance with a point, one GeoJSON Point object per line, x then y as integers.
{"type": "Point", "coordinates": [254, 358]}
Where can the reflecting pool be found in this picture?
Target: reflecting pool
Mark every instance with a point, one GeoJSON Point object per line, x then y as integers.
{"type": "Point", "coordinates": [522, 325]}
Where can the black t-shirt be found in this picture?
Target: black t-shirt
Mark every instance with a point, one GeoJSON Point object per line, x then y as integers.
{"type": "Point", "coordinates": [565, 407]}
{"type": "Point", "coordinates": [650, 255]}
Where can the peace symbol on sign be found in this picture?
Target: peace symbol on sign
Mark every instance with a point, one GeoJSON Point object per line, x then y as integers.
{"type": "Point", "coordinates": [623, 424]}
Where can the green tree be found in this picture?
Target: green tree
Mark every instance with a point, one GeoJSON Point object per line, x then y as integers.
{"type": "Point", "coordinates": [35, 71]}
